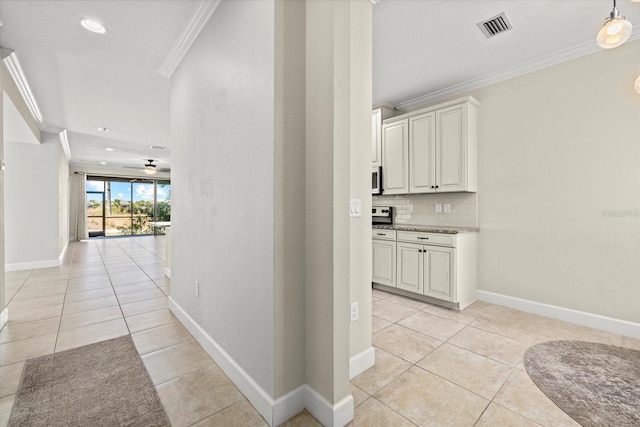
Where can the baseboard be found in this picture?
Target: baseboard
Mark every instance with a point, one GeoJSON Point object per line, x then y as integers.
{"type": "Point", "coordinates": [252, 391]}
{"type": "Point", "coordinates": [167, 272]}
{"type": "Point", "coordinates": [361, 362]}
{"type": "Point", "coordinates": [275, 412]}
{"type": "Point", "coordinates": [31, 265]}
{"type": "Point", "coordinates": [289, 405]}
{"type": "Point", "coordinates": [4, 317]}
{"type": "Point", "coordinates": [329, 415]}
{"type": "Point", "coordinates": [609, 324]}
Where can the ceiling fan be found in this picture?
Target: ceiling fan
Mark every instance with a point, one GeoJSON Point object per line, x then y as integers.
{"type": "Point", "coordinates": [150, 168]}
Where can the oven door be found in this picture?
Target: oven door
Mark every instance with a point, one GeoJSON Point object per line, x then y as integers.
{"type": "Point", "coordinates": [376, 180]}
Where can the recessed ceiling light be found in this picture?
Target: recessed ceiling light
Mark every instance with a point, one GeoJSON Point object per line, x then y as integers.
{"type": "Point", "coordinates": [103, 163]}
{"type": "Point", "coordinates": [108, 149]}
{"type": "Point", "coordinates": [103, 129]}
{"type": "Point", "coordinates": [93, 26]}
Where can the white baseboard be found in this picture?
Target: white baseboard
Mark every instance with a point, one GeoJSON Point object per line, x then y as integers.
{"type": "Point", "coordinates": [609, 324]}
{"type": "Point", "coordinates": [361, 362]}
{"type": "Point", "coordinates": [167, 272]}
{"type": "Point", "coordinates": [31, 265]}
{"type": "Point", "coordinates": [63, 252]}
{"type": "Point", "coordinates": [329, 415]}
{"type": "Point", "coordinates": [275, 412]}
{"type": "Point", "coordinates": [4, 317]}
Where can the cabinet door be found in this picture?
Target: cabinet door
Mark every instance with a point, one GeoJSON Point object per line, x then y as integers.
{"type": "Point", "coordinates": [451, 148]}
{"type": "Point", "coordinates": [376, 137]}
{"type": "Point", "coordinates": [384, 263]}
{"type": "Point", "coordinates": [410, 270]}
{"type": "Point", "coordinates": [395, 158]}
{"type": "Point", "coordinates": [439, 277]}
{"type": "Point", "coordinates": [422, 153]}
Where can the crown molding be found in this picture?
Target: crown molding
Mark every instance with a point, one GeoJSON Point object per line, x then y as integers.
{"type": "Point", "coordinates": [64, 141]}
{"type": "Point", "coordinates": [508, 73]}
{"type": "Point", "coordinates": [13, 65]}
{"type": "Point", "coordinates": [189, 33]}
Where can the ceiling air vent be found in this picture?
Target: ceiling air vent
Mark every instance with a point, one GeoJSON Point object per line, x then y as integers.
{"type": "Point", "coordinates": [496, 25]}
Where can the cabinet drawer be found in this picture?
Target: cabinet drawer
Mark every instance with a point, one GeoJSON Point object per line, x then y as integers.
{"type": "Point", "coordinates": [383, 234]}
{"type": "Point", "coordinates": [427, 238]}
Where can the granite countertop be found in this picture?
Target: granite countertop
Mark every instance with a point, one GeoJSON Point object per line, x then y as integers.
{"type": "Point", "coordinates": [426, 228]}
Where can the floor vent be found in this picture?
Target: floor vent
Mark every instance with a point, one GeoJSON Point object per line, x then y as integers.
{"type": "Point", "coordinates": [496, 25]}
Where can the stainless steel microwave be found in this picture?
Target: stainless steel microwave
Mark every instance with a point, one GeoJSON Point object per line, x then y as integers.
{"type": "Point", "coordinates": [376, 180]}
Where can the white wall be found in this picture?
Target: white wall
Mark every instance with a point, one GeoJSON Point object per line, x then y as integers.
{"type": "Point", "coordinates": [559, 185]}
{"type": "Point", "coordinates": [222, 100]}
{"type": "Point", "coordinates": [31, 203]}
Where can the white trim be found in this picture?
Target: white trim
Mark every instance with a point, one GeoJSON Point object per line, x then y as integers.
{"type": "Point", "coordinates": [247, 385]}
{"type": "Point", "coordinates": [13, 65]}
{"type": "Point", "coordinates": [187, 37]}
{"type": "Point", "coordinates": [167, 272]}
{"type": "Point", "coordinates": [508, 73]}
{"type": "Point", "coordinates": [329, 415]}
{"type": "Point", "coordinates": [62, 253]}
{"type": "Point", "coordinates": [361, 362]}
{"type": "Point", "coordinates": [64, 142]}
{"type": "Point", "coordinates": [4, 317]}
{"type": "Point", "coordinates": [276, 411]}
{"type": "Point", "coordinates": [609, 324]}
{"type": "Point", "coordinates": [31, 265]}
{"type": "Point", "coordinates": [289, 405]}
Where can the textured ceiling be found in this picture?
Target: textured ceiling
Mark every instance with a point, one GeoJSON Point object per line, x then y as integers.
{"type": "Point", "coordinates": [83, 81]}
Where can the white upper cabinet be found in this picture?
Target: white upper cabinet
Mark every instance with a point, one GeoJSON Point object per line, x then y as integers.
{"type": "Point", "coordinates": [395, 158]}
{"type": "Point", "coordinates": [440, 146]}
{"type": "Point", "coordinates": [422, 153]}
{"type": "Point", "coordinates": [377, 116]}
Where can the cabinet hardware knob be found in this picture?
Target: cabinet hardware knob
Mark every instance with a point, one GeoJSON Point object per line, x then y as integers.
{"type": "Point", "coordinates": [437, 186]}
{"type": "Point", "coordinates": [423, 238]}
{"type": "Point", "coordinates": [433, 186]}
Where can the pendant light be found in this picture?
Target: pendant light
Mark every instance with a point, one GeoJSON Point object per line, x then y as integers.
{"type": "Point", "coordinates": [615, 31]}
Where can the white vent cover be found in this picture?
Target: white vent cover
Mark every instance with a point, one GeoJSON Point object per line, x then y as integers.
{"type": "Point", "coordinates": [496, 25]}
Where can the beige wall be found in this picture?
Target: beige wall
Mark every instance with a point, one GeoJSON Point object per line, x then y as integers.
{"type": "Point", "coordinates": [559, 185]}
{"type": "Point", "coordinates": [360, 177]}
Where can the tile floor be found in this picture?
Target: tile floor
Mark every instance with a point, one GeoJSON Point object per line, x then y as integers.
{"type": "Point", "coordinates": [434, 366]}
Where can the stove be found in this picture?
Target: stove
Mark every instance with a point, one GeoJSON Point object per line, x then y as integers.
{"type": "Point", "coordinates": [382, 215]}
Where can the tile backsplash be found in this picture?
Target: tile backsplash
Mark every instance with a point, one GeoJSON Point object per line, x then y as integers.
{"type": "Point", "coordinates": [421, 208]}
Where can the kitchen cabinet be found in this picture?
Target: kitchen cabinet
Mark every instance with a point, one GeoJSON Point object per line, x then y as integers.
{"type": "Point", "coordinates": [427, 270]}
{"type": "Point", "coordinates": [395, 158]}
{"type": "Point", "coordinates": [436, 267]}
{"type": "Point", "coordinates": [431, 150]}
{"type": "Point", "coordinates": [384, 257]}
{"type": "Point", "coordinates": [377, 116]}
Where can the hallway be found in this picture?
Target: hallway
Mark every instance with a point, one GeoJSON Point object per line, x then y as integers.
{"type": "Point", "coordinates": [108, 288]}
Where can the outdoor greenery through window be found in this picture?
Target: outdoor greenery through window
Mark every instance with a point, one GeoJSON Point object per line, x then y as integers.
{"type": "Point", "coordinates": [124, 207]}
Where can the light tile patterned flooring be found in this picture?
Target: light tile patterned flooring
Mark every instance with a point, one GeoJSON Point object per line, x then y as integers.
{"type": "Point", "coordinates": [434, 366]}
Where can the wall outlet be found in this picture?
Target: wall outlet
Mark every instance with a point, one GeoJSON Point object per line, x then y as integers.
{"type": "Point", "coordinates": [447, 208]}
{"type": "Point", "coordinates": [438, 207]}
{"type": "Point", "coordinates": [196, 289]}
{"type": "Point", "coordinates": [354, 311]}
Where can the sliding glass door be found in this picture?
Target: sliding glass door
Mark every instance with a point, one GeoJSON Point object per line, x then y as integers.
{"type": "Point", "coordinates": [125, 207]}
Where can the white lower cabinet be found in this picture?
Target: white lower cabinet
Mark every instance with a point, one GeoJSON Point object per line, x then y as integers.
{"type": "Point", "coordinates": [427, 270]}
{"type": "Point", "coordinates": [384, 257]}
{"type": "Point", "coordinates": [441, 267]}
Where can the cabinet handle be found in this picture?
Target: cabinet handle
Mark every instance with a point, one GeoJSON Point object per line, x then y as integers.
{"type": "Point", "coordinates": [433, 186]}
{"type": "Point", "coordinates": [380, 234]}
{"type": "Point", "coordinates": [423, 238]}
{"type": "Point", "coordinates": [419, 250]}
{"type": "Point", "coordinates": [437, 186]}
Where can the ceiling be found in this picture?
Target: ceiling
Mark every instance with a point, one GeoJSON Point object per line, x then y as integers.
{"type": "Point", "coordinates": [423, 50]}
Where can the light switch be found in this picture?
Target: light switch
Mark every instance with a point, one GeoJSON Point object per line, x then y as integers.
{"type": "Point", "coordinates": [438, 207]}
{"type": "Point", "coordinates": [355, 208]}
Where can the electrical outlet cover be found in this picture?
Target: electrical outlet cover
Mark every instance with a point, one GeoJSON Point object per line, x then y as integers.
{"type": "Point", "coordinates": [438, 207]}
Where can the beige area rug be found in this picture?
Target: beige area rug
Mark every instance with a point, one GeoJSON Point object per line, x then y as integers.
{"type": "Point", "coordinates": [102, 384]}
{"type": "Point", "coordinates": [595, 384]}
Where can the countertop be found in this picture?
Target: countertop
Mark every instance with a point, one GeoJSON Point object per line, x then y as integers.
{"type": "Point", "coordinates": [426, 228]}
